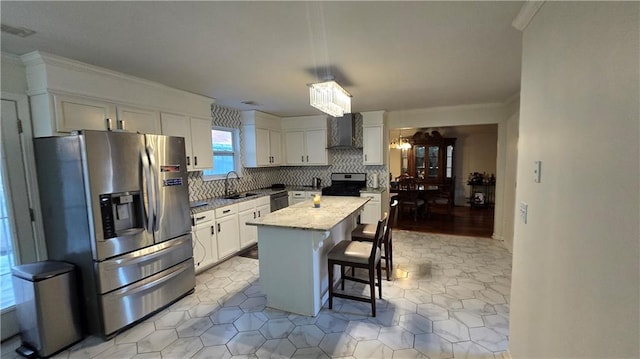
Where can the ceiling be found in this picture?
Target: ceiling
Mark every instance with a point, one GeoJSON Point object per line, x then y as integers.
{"type": "Point", "coordinates": [388, 55]}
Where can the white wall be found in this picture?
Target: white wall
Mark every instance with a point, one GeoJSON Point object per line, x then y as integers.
{"type": "Point", "coordinates": [576, 281]}
{"type": "Point", "coordinates": [12, 74]}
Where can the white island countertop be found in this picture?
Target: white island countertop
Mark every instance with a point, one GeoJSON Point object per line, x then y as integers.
{"type": "Point", "coordinates": [333, 210]}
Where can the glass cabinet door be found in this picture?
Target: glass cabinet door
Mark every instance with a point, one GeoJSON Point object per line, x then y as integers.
{"type": "Point", "coordinates": [419, 152]}
{"type": "Point", "coordinates": [433, 165]}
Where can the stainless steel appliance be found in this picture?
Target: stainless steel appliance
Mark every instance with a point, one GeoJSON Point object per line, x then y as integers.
{"type": "Point", "coordinates": [279, 200]}
{"type": "Point", "coordinates": [116, 205]}
{"type": "Point", "coordinates": [316, 182]}
{"type": "Point", "coordinates": [346, 184]}
{"type": "Point", "coordinates": [46, 307]}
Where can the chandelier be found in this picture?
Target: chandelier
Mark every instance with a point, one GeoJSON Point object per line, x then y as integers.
{"type": "Point", "coordinates": [400, 143]}
{"type": "Point", "coordinates": [330, 98]}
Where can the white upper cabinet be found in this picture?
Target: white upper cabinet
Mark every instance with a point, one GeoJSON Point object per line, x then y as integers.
{"type": "Point", "coordinates": [373, 138]}
{"type": "Point", "coordinates": [197, 138]}
{"type": "Point", "coordinates": [75, 113]}
{"type": "Point", "coordinates": [138, 120]}
{"type": "Point", "coordinates": [262, 139]}
{"type": "Point", "coordinates": [201, 143]}
{"type": "Point", "coordinates": [81, 113]}
{"type": "Point", "coordinates": [67, 95]}
{"type": "Point", "coordinates": [305, 140]}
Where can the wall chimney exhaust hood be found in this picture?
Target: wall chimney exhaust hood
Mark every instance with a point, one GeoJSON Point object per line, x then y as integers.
{"type": "Point", "coordinates": [346, 132]}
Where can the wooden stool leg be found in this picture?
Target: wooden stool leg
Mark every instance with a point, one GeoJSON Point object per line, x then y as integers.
{"type": "Point", "coordinates": [330, 285]}
{"type": "Point", "coordinates": [342, 276]}
{"type": "Point", "coordinates": [372, 285]}
{"type": "Point", "coordinates": [380, 279]}
{"type": "Point", "coordinates": [387, 260]}
{"type": "Point", "coordinates": [390, 254]}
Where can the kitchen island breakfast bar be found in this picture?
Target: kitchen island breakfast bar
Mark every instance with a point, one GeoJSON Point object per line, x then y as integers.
{"type": "Point", "coordinates": [293, 244]}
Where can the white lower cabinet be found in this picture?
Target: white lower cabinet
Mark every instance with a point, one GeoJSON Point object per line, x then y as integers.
{"type": "Point", "coordinates": [301, 196]}
{"type": "Point", "coordinates": [250, 210]}
{"type": "Point", "coordinates": [297, 197]}
{"type": "Point", "coordinates": [372, 211]}
{"type": "Point", "coordinates": [227, 230]}
{"type": "Point", "coordinates": [205, 248]}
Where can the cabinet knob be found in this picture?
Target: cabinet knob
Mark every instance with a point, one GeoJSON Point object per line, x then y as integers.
{"type": "Point", "coordinates": [218, 227]}
{"type": "Point", "coordinates": [188, 161]}
{"type": "Point", "coordinates": [108, 121]}
{"type": "Point", "coordinates": [212, 231]}
{"type": "Point", "coordinates": [195, 160]}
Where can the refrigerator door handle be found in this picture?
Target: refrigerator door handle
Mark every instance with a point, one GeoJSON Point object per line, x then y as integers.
{"type": "Point", "coordinates": [147, 177]}
{"type": "Point", "coordinates": [156, 188]}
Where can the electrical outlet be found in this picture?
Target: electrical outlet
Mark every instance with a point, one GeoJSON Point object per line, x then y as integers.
{"type": "Point", "coordinates": [524, 208]}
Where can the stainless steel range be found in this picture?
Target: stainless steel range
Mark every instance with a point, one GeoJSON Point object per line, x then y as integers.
{"type": "Point", "coordinates": [116, 205]}
{"type": "Point", "coordinates": [346, 184]}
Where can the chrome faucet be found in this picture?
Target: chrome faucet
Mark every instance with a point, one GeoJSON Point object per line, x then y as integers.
{"type": "Point", "coordinates": [226, 182]}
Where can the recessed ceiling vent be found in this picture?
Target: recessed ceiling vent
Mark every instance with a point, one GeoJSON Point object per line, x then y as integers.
{"type": "Point", "coordinates": [251, 103]}
{"type": "Point", "coordinates": [18, 31]}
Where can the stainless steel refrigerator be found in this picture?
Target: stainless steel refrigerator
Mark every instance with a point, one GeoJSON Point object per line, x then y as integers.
{"type": "Point", "coordinates": [116, 204]}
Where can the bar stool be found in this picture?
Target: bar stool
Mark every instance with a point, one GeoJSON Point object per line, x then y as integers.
{"type": "Point", "coordinates": [365, 255]}
{"type": "Point", "coordinates": [366, 233]}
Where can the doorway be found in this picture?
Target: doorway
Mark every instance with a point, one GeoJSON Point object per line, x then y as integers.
{"type": "Point", "coordinates": [17, 240]}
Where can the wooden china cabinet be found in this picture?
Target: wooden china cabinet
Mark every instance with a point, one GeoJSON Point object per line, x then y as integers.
{"type": "Point", "coordinates": [431, 158]}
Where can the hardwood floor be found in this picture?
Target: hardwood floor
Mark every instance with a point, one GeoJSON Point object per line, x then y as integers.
{"type": "Point", "coordinates": [466, 221]}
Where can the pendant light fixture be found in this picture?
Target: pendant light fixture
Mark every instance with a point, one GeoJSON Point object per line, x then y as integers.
{"type": "Point", "coordinates": [330, 98]}
{"type": "Point", "coordinates": [401, 143]}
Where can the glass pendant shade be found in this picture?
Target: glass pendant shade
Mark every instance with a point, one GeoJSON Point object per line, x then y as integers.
{"type": "Point", "coordinates": [330, 98]}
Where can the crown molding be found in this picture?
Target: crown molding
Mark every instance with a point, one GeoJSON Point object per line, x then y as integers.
{"type": "Point", "coordinates": [526, 14]}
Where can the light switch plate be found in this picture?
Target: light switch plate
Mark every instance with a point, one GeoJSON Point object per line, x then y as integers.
{"type": "Point", "coordinates": [524, 208]}
{"type": "Point", "coordinates": [537, 168]}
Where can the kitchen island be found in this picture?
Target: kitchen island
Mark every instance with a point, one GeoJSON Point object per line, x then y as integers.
{"type": "Point", "coordinates": [293, 244]}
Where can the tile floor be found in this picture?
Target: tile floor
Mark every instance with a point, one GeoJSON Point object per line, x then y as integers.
{"type": "Point", "coordinates": [450, 299]}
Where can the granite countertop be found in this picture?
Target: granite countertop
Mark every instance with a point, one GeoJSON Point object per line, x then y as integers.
{"type": "Point", "coordinates": [304, 215]}
{"type": "Point", "coordinates": [209, 204]}
{"type": "Point", "coordinates": [373, 190]}
{"type": "Point", "coordinates": [212, 203]}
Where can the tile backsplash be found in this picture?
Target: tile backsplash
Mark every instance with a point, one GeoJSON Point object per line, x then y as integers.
{"type": "Point", "coordinates": [342, 160]}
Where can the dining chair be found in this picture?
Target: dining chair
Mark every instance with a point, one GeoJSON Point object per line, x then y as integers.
{"type": "Point", "coordinates": [367, 232]}
{"type": "Point", "coordinates": [443, 199]}
{"type": "Point", "coordinates": [365, 255]}
{"type": "Point", "coordinates": [408, 197]}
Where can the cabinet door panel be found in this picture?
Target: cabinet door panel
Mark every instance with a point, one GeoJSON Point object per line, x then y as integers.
{"type": "Point", "coordinates": [74, 113]}
{"type": "Point", "coordinates": [227, 235]}
{"type": "Point", "coordinates": [316, 146]}
{"type": "Point", "coordinates": [372, 145]}
{"type": "Point", "coordinates": [139, 120]}
{"type": "Point", "coordinates": [248, 234]}
{"type": "Point", "coordinates": [201, 143]}
{"type": "Point", "coordinates": [177, 125]}
{"type": "Point", "coordinates": [263, 154]}
{"type": "Point", "coordinates": [275, 147]}
{"type": "Point", "coordinates": [294, 142]}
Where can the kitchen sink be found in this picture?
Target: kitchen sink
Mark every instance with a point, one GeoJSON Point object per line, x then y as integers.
{"type": "Point", "coordinates": [240, 195]}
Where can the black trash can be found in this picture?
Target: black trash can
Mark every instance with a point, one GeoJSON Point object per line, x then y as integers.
{"type": "Point", "coordinates": [46, 307]}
